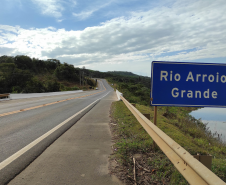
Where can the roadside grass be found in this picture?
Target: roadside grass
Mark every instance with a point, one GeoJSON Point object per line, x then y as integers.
{"type": "Point", "coordinates": [132, 139]}
{"type": "Point", "coordinates": [201, 139]}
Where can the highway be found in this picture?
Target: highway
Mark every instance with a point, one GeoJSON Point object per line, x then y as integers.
{"type": "Point", "coordinates": [24, 121]}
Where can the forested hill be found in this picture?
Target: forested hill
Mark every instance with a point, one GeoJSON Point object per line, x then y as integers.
{"type": "Point", "coordinates": [123, 73]}
{"type": "Point", "coordinates": [128, 77]}
{"type": "Point", "coordinates": [22, 74]}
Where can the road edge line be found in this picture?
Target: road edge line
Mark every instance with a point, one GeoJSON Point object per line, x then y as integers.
{"type": "Point", "coordinates": [13, 165]}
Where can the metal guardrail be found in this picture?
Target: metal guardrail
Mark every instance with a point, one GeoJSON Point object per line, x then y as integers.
{"type": "Point", "coordinates": [118, 94]}
{"type": "Point", "coordinates": [192, 170]}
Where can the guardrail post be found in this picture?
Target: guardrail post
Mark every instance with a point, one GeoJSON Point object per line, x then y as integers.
{"type": "Point", "coordinates": [147, 116]}
{"type": "Point", "coordinates": [205, 160]}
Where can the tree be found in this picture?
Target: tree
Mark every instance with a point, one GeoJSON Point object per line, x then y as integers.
{"type": "Point", "coordinates": [52, 86]}
{"type": "Point", "coordinates": [66, 72]}
{"type": "Point", "coordinates": [24, 62]}
{"type": "Point", "coordinates": [52, 64]}
{"type": "Point", "coordinates": [34, 86]}
{"type": "Point", "coordinates": [6, 71]}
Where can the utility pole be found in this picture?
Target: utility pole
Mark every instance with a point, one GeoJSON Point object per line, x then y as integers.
{"type": "Point", "coordinates": [80, 76]}
{"type": "Point", "coordinates": [83, 78]}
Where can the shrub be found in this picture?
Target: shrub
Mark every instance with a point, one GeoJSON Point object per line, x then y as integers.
{"type": "Point", "coordinates": [34, 86]}
{"type": "Point", "coordinates": [52, 86]}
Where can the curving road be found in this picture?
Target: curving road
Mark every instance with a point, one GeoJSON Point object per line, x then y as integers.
{"type": "Point", "coordinates": [23, 121]}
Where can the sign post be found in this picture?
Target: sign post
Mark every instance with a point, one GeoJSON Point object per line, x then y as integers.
{"type": "Point", "coordinates": [155, 115]}
{"type": "Point", "coordinates": [155, 120]}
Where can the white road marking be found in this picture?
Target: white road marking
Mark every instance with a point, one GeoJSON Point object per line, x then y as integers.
{"type": "Point", "coordinates": [13, 157]}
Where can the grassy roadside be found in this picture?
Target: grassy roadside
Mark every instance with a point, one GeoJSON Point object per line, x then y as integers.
{"type": "Point", "coordinates": [152, 166]}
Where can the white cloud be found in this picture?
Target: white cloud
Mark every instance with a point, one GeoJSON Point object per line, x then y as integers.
{"type": "Point", "coordinates": [9, 28]}
{"type": "Point", "coordinates": [52, 8]}
{"type": "Point", "coordinates": [87, 13]}
{"type": "Point", "coordinates": [83, 15]}
{"type": "Point", "coordinates": [60, 20]}
{"type": "Point", "coordinates": [187, 30]}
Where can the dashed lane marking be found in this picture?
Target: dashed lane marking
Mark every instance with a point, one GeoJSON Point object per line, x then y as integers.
{"type": "Point", "coordinates": [43, 105]}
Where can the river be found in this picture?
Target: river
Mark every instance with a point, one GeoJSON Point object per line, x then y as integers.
{"type": "Point", "coordinates": [215, 117]}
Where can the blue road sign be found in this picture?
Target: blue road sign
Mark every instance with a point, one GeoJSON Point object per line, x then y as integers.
{"type": "Point", "coordinates": [188, 84]}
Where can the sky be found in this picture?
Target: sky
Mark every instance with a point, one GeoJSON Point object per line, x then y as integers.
{"type": "Point", "coordinates": [115, 35]}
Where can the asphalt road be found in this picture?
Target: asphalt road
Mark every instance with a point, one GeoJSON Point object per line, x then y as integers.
{"type": "Point", "coordinates": [79, 156]}
{"type": "Point", "coordinates": [18, 129]}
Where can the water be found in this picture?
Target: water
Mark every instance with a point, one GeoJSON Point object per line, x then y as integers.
{"type": "Point", "coordinates": [215, 117]}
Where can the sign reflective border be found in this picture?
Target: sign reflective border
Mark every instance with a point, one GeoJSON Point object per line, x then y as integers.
{"type": "Point", "coordinates": [188, 84]}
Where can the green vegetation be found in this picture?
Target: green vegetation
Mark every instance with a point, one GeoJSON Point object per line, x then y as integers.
{"type": "Point", "coordinates": [176, 122]}
{"type": "Point", "coordinates": [21, 74]}
{"type": "Point", "coordinates": [136, 92]}
{"type": "Point", "coordinates": [132, 139]}
{"type": "Point", "coordinates": [122, 73]}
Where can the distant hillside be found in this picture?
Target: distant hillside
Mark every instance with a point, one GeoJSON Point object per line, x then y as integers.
{"type": "Point", "coordinates": [122, 73]}
{"type": "Point", "coordinates": [22, 74]}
